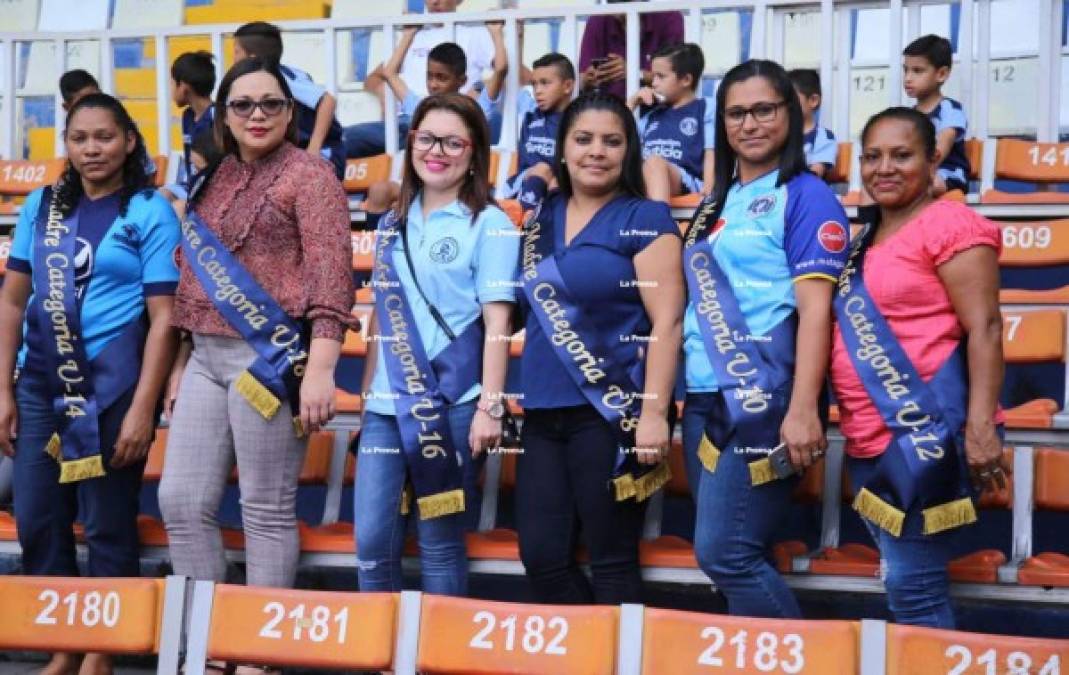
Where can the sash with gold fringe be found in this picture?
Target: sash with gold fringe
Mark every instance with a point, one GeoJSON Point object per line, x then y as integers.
{"type": "Point", "coordinates": [606, 385]}
{"type": "Point", "coordinates": [923, 465]}
{"type": "Point", "coordinates": [422, 391]}
{"type": "Point", "coordinates": [280, 344]}
{"type": "Point", "coordinates": [81, 390]}
{"type": "Point", "coordinates": [749, 368]}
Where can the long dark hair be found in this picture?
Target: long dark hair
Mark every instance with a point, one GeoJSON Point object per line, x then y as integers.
{"type": "Point", "coordinates": [631, 180]}
{"type": "Point", "coordinates": [223, 138]}
{"type": "Point", "coordinates": [792, 154]}
{"type": "Point", "coordinates": [475, 190]}
{"type": "Point", "coordinates": [69, 189]}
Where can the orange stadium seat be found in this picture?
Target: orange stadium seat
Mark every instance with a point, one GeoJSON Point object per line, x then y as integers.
{"type": "Point", "coordinates": [1042, 163]}
{"type": "Point", "coordinates": [1034, 336]}
{"type": "Point", "coordinates": [363, 250]}
{"type": "Point", "coordinates": [461, 635]}
{"type": "Point", "coordinates": [1051, 493]}
{"type": "Point", "coordinates": [687, 642]}
{"type": "Point", "coordinates": [912, 650]}
{"type": "Point", "coordinates": [1035, 244]}
{"type": "Point", "coordinates": [361, 173]}
{"type": "Point", "coordinates": [19, 178]}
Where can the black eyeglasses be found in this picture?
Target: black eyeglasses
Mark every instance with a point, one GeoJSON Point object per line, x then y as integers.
{"type": "Point", "coordinates": [453, 146]}
{"type": "Point", "coordinates": [245, 107]}
{"type": "Point", "coordinates": [763, 113]}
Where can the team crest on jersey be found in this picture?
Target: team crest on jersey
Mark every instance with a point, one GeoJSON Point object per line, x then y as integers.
{"type": "Point", "coordinates": [761, 206]}
{"type": "Point", "coordinates": [832, 236]}
{"type": "Point", "coordinates": [445, 250]}
{"type": "Point", "coordinates": [83, 264]}
{"type": "Point", "coordinates": [688, 126]}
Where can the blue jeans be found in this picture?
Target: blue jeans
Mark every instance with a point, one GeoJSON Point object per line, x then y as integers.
{"type": "Point", "coordinates": [380, 526]}
{"type": "Point", "coordinates": [914, 564]}
{"type": "Point", "coordinates": [368, 139]}
{"type": "Point", "coordinates": [736, 520]}
{"type": "Point", "coordinates": [45, 509]}
{"type": "Point", "coordinates": [563, 491]}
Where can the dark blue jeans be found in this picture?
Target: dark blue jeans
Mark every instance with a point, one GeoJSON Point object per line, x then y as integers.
{"type": "Point", "coordinates": [914, 565]}
{"type": "Point", "coordinates": [736, 520]}
{"type": "Point", "coordinates": [563, 492]}
{"type": "Point", "coordinates": [45, 510]}
{"type": "Point", "coordinates": [380, 527]}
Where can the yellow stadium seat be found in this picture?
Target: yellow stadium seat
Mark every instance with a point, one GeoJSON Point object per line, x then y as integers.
{"type": "Point", "coordinates": [42, 143]}
{"type": "Point", "coordinates": [135, 83]}
{"type": "Point", "coordinates": [236, 11]}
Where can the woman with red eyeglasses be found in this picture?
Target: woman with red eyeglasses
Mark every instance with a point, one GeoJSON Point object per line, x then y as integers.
{"type": "Point", "coordinates": [444, 281]}
{"type": "Point", "coordinates": [264, 299]}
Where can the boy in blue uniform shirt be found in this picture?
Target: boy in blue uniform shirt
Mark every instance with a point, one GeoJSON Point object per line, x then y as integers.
{"type": "Point", "coordinates": [820, 146]}
{"type": "Point", "coordinates": [676, 126]}
{"type": "Point", "coordinates": [192, 83]}
{"type": "Point", "coordinates": [553, 81]}
{"type": "Point", "coordinates": [318, 130]}
{"type": "Point", "coordinates": [926, 67]}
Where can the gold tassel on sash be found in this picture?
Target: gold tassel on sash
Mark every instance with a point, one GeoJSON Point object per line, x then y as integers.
{"type": "Point", "coordinates": [946, 516]}
{"type": "Point", "coordinates": [406, 499]}
{"type": "Point", "coordinates": [882, 514]}
{"type": "Point", "coordinates": [709, 454]}
{"type": "Point", "coordinates": [298, 427]}
{"type": "Point", "coordinates": [624, 487]}
{"type": "Point", "coordinates": [81, 469]}
{"type": "Point", "coordinates": [441, 504]}
{"type": "Point", "coordinates": [761, 472]}
{"type": "Point", "coordinates": [648, 483]}
{"type": "Point", "coordinates": [52, 448]}
{"type": "Point", "coordinates": [258, 396]}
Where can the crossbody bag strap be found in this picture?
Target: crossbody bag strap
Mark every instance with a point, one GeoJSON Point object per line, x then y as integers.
{"type": "Point", "coordinates": [438, 318]}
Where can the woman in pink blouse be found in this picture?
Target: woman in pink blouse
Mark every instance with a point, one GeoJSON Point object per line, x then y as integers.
{"type": "Point", "coordinates": [917, 365]}
{"type": "Point", "coordinates": [265, 294]}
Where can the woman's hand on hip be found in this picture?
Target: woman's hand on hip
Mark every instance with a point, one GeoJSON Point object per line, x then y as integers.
{"type": "Point", "coordinates": [653, 438]}
{"type": "Point", "coordinates": [485, 433]}
{"type": "Point", "coordinates": [135, 437]}
{"type": "Point", "coordinates": [9, 423]}
{"type": "Point", "coordinates": [804, 435]}
{"type": "Point", "coordinates": [317, 399]}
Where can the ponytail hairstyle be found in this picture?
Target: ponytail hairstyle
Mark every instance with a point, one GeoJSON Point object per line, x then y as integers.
{"type": "Point", "coordinates": [69, 189]}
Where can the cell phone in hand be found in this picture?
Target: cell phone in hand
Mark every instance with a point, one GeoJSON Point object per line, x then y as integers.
{"type": "Point", "coordinates": [599, 62]}
{"type": "Point", "coordinates": [780, 459]}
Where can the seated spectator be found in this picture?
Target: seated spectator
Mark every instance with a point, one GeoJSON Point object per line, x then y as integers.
{"type": "Point", "coordinates": [192, 82]}
{"type": "Point", "coordinates": [553, 80]}
{"type": "Point", "coordinates": [369, 139]}
{"type": "Point", "coordinates": [673, 163]}
{"type": "Point", "coordinates": [75, 84]}
{"type": "Point", "coordinates": [601, 56]}
{"type": "Point", "coordinates": [820, 148]}
{"type": "Point", "coordinates": [318, 131]}
{"type": "Point", "coordinates": [446, 66]}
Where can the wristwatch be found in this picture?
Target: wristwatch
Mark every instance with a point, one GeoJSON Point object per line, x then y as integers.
{"type": "Point", "coordinates": [495, 409]}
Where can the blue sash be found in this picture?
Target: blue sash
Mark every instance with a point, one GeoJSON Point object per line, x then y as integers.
{"type": "Point", "coordinates": [923, 465]}
{"type": "Point", "coordinates": [80, 390]}
{"type": "Point", "coordinates": [611, 388]}
{"type": "Point", "coordinates": [749, 369]}
{"type": "Point", "coordinates": [279, 342]}
{"type": "Point", "coordinates": [423, 389]}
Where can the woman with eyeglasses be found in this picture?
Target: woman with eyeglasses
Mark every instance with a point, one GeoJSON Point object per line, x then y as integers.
{"type": "Point", "coordinates": [264, 300]}
{"type": "Point", "coordinates": [761, 258]}
{"type": "Point", "coordinates": [444, 282]}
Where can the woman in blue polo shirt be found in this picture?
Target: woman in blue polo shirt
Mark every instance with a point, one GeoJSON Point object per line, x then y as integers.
{"type": "Point", "coordinates": [444, 282]}
{"type": "Point", "coordinates": [603, 298]}
{"type": "Point", "coordinates": [761, 258]}
{"type": "Point", "coordinates": [87, 294]}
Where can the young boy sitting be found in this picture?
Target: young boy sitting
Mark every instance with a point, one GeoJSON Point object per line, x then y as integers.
{"type": "Point", "coordinates": [926, 68]}
{"type": "Point", "coordinates": [821, 149]}
{"type": "Point", "coordinates": [675, 125]}
{"type": "Point", "coordinates": [318, 130]}
{"type": "Point", "coordinates": [553, 80]}
{"type": "Point", "coordinates": [192, 82]}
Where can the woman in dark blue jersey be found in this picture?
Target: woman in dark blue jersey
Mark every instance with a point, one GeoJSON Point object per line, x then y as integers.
{"type": "Point", "coordinates": [603, 297]}
{"type": "Point", "coordinates": [88, 294]}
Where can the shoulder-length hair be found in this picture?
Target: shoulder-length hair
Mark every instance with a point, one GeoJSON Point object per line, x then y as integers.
{"type": "Point", "coordinates": [69, 189]}
{"type": "Point", "coordinates": [631, 181]}
{"type": "Point", "coordinates": [475, 190]}
{"type": "Point", "coordinates": [223, 138]}
{"type": "Point", "coordinates": [791, 155]}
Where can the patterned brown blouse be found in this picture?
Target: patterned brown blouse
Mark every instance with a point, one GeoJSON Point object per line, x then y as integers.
{"type": "Point", "coordinates": [286, 218]}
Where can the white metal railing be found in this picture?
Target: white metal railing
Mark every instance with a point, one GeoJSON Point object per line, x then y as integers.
{"type": "Point", "coordinates": [766, 40]}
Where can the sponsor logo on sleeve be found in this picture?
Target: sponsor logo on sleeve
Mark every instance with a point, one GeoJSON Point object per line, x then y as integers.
{"type": "Point", "coordinates": [832, 236]}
